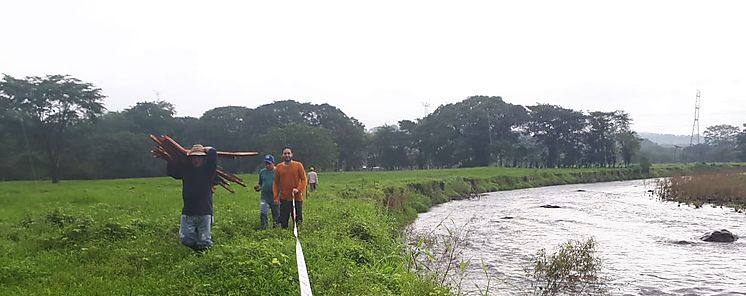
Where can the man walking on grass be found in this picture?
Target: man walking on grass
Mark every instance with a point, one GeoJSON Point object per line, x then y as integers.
{"type": "Point", "coordinates": [197, 178]}
{"type": "Point", "coordinates": [313, 179]}
{"type": "Point", "coordinates": [267, 201]}
{"type": "Point", "coordinates": [289, 185]}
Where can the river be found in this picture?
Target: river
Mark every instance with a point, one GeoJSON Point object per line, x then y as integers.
{"type": "Point", "coordinates": [647, 246]}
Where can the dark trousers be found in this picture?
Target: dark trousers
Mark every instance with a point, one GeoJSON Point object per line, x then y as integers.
{"type": "Point", "coordinates": [286, 210]}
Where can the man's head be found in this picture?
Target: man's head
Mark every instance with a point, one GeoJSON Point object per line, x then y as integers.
{"type": "Point", "coordinates": [287, 154]}
{"type": "Point", "coordinates": [313, 168]}
{"type": "Point", "coordinates": [197, 155]}
{"type": "Point", "coordinates": [269, 161]}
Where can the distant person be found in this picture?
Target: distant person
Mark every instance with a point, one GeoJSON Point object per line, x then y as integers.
{"type": "Point", "coordinates": [313, 179]}
{"type": "Point", "coordinates": [266, 199]}
{"type": "Point", "coordinates": [289, 184]}
{"type": "Point", "coordinates": [196, 178]}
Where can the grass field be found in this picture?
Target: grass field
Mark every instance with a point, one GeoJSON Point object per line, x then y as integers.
{"type": "Point", "coordinates": [120, 237]}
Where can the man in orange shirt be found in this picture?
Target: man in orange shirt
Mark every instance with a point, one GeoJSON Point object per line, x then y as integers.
{"type": "Point", "coordinates": [289, 186]}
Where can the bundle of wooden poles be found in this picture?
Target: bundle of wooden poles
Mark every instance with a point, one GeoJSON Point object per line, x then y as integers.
{"type": "Point", "coordinates": [175, 154]}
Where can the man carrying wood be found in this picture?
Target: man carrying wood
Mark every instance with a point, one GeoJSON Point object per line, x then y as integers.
{"type": "Point", "coordinates": [289, 184]}
{"type": "Point", "coordinates": [197, 178]}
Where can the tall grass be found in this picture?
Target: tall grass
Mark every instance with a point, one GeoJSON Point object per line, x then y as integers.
{"type": "Point", "coordinates": [717, 188]}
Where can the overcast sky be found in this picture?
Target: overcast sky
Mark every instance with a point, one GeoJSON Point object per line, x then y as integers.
{"type": "Point", "coordinates": [380, 61]}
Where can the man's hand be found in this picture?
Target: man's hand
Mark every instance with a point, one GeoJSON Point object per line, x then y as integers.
{"type": "Point", "coordinates": [257, 187]}
{"type": "Point", "coordinates": [295, 191]}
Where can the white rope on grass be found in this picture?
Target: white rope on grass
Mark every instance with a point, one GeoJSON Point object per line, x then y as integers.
{"type": "Point", "coordinates": [305, 283]}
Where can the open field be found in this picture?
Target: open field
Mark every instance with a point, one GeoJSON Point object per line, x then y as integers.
{"type": "Point", "coordinates": [120, 236]}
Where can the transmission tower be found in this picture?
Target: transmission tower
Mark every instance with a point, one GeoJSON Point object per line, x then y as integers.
{"type": "Point", "coordinates": [427, 107]}
{"type": "Point", "coordinates": [695, 125]}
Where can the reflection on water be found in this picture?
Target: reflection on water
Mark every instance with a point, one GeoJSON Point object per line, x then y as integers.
{"type": "Point", "coordinates": [648, 247]}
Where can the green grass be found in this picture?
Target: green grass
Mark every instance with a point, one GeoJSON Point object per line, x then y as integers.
{"type": "Point", "coordinates": [121, 236]}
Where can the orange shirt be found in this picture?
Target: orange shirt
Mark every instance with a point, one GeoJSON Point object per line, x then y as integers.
{"type": "Point", "coordinates": [287, 177]}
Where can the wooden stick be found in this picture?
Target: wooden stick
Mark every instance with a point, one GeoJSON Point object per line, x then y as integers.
{"type": "Point", "coordinates": [176, 145]}
{"type": "Point", "coordinates": [171, 151]}
{"type": "Point", "coordinates": [236, 154]}
{"type": "Point", "coordinates": [227, 188]}
{"type": "Point", "coordinates": [230, 177]}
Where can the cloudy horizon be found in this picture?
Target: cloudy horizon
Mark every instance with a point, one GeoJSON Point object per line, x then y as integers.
{"type": "Point", "coordinates": [380, 62]}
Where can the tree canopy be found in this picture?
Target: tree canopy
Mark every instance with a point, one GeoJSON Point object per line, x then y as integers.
{"type": "Point", "coordinates": [58, 122]}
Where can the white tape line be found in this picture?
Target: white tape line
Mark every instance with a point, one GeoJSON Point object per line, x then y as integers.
{"type": "Point", "coordinates": [305, 283]}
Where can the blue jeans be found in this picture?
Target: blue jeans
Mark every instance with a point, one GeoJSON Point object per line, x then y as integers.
{"type": "Point", "coordinates": [264, 208]}
{"type": "Point", "coordinates": [194, 231]}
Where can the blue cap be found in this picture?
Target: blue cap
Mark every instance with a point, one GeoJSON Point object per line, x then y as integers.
{"type": "Point", "coordinates": [269, 158]}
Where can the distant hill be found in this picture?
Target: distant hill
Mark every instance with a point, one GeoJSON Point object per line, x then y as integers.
{"type": "Point", "coordinates": [666, 139]}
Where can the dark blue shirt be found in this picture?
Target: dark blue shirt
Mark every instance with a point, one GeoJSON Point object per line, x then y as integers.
{"type": "Point", "coordinates": [197, 185]}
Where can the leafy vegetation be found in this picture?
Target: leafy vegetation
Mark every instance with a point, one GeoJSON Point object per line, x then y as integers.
{"type": "Point", "coordinates": [573, 269]}
{"type": "Point", "coordinates": [58, 123]}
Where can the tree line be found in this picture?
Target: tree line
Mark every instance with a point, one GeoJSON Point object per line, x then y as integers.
{"type": "Point", "coordinates": [56, 127]}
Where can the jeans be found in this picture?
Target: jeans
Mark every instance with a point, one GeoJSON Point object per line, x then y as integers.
{"type": "Point", "coordinates": [264, 208]}
{"type": "Point", "coordinates": [286, 210]}
{"type": "Point", "coordinates": [194, 231]}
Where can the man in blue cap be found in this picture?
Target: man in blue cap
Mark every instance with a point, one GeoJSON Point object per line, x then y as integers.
{"type": "Point", "coordinates": [266, 201]}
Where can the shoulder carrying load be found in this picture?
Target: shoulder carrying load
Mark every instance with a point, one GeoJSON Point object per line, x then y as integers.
{"type": "Point", "coordinates": [170, 150]}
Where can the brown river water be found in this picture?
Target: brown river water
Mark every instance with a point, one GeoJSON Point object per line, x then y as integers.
{"type": "Point", "coordinates": [647, 246]}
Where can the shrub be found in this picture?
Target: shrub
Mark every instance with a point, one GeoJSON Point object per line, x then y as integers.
{"type": "Point", "coordinates": [645, 165]}
{"type": "Point", "coordinates": [573, 270]}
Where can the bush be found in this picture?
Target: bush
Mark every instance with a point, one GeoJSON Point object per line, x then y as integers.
{"type": "Point", "coordinates": [573, 270]}
{"type": "Point", "coordinates": [645, 165]}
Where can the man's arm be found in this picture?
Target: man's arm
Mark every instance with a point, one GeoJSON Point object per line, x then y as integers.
{"type": "Point", "coordinates": [258, 187]}
{"type": "Point", "coordinates": [212, 158]}
{"type": "Point", "coordinates": [303, 182]}
{"type": "Point", "coordinates": [175, 171]}
{"type": "Point", "coordinates": [276, 186]}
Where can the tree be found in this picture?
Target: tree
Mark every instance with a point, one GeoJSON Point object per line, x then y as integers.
{"type": "Point", "coordinates": [560, 131]}
{"type": "Point", "coordinates": [629, 144]}
{"type": "Point", "coordinates": [311, 145]}
{"type": "Point", "coordinates": [721, 145]}
{"type": "Point", "coordinates": [389, 148]}
{"type": "Point", "coordinates": [52, 105]}
{"type": "Point", "coordinates": [741, 144]}
{"type": "Point", "coordinates": [226, 129]}
{"type": "Point", "coordinates": [601, 137]}
{"type": "Point", "coordinates": [151, 117]}
{"type": "Point", "coordinates": [348, 133]}
{"type": "Point", "coordinates": [723, 134]}
{"type": "Point", "coordinates": [474, 132]}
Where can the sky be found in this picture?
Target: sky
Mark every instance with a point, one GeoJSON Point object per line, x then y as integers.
{"type": "Point", "coordinates": [382, 61]}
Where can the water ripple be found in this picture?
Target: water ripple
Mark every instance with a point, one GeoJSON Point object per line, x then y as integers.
{"type": "Point", "coordinates": [648, 247]}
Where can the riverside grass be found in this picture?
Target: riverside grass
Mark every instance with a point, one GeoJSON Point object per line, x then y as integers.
{"type": "Point", "coordinates": [107, 237]}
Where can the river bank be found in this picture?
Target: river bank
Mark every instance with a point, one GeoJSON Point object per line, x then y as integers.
{"type": "Point", "coordinates": [124, 232]}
